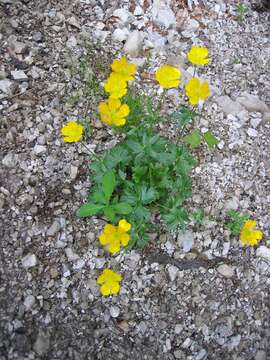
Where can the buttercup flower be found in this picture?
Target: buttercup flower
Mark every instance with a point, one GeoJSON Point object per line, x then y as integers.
{"type": "Point", "coordinates": [115, 236]}
{"type": "Point", "coordinates": [198, 55]}
{"type": "Point", "coordinates": [124, 69]}
{"type": "Point", "coordinates": [168, 76]}
{"type": "Point", "coordinates": [112, 112]}
{"type": "Point", "coordinates": [197, 91]}
{"type": "Point", "coordinates": [109, 281]}
{"type": "Point", "coordinates": [116, 86]}
{"type": "Point", "coordinates": [249, 235]}
{"type": "Point", "coordinates": [72, 132]}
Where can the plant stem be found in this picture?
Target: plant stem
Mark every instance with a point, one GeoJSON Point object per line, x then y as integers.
{"type": "Point", "coordinates": [91, 152]}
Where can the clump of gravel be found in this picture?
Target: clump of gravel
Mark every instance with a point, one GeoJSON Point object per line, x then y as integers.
{"type": "Point", "coordinates": [193, 295]}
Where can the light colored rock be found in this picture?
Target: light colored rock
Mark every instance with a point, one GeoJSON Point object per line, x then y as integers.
{"type": "Point", "coordinates": [178, 329]}
{"type": "Point", "coordinates": [120, 34]}
{"type": "Point", "coordinates": [122, 14]}
{"type": "Point", "coordinates": [29, 301]}
{"type": "Point", "coordinates": [71, 255]}
{"type": "Point", "coordinates": [74, 22]}
{"type": "Point", "coordinates": [232, 203]}
{"type": "Point", "coordinates": [255, 122]}
{"type": "Point", "coordinates": [19, 75]}
{"type": "Point", "coordinates": [252, 103]}
{"type": "Point", "coordinates": [226, 270]}
{"type": "Point", "coordinates": [260, 355]}
{"type": "Point", "coordinates": [54, 228]}
{"type": "Point", "coordinates": [114, 311]}
{"type": "Point", "coordinates": [134, 43]}
{"type": "Point", "coordinates": [263, 252]}
{"type": "Point", "coordinates": [30, 260]}
{"type": "Point", "coordinates": [71, 42]}
{"type": "Point", "coordinates": [229, 106]}
{"type": "Point", "coordinates": [163, 14]}
{"type": "Point", "coordinates": [6, 86]}
{"type": "Point", "coordinates": [10, 160]}
{"type": "Point", "coordinates": [186, 240]}
{"type": "Point", "coordinates": [266, 117]}
{"type": "Point", "coordinates": [42, 344]}
{"type": "Point", "coordinates": [252, 132]}
{"type": "Point", "coordinates": [201, 355]}
{"type": "Point", "coordinates": [40, 149]}
{"type": "Point", "coordinates": [190, 28]}
{"type": "Point", "coordinates": [234, 342]}
{"type": "Point", "coordinates": [172, 270]}
{"type": "Point", "coordinates": [73, 172]}
{"type": "Point", "coordinates": [138, 11]}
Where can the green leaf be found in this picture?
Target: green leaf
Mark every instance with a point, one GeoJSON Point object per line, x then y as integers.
{"type": "Point", "coordinates": [122, 208]}
{"type": "Point", "coordinates": [184, 116]}
{"type": "Point", "coordinates": [193, 139]}
{"type": "Point", "coordinates": [108, 184]}
{"type": "Point", "coordinates": [99, 197]}
{"type": "Point", "coordinates": [210, 139]}
{"type": "Point", "coordinates": [148, 195]}
{"type": "Point", "coordinates": [135, 146]}
{"type": "Point", "coordinates": [176, 217]}
{"type": "Point", "coordinates": [109, 213]}
{"type": "Point", "coordinates": [89, 210]}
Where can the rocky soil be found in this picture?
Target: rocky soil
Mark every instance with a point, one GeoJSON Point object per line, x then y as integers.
{"type": "Point", "coordinates": [54, 57]}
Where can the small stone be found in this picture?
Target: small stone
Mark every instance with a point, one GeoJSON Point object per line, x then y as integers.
{"type": "Point", "coordinates": [42, 344]}
{"type": "Point", "coordinates": [10, 160]}
{"type": "Point", "coordinates": [73, 172]}
{"type": "Point", "coordinates": [114, 311]}
{"type": "Point", "coordinates": [186, 240]}
{"type": "Point", "coordinates": [260, 355]}
{"type": "Point", "coordinates": [138, 11]}
{"type": "Point", "coordinates": [200, 355]}
{"type": "Point", "coordinates": [226, 270]}
{"type": "Point", "coordinates": [3, 74]}
{"type": "Point", "coordinates": [232, 203]}
{"type": "Point", "coordinates": [263, 252]}
{"type": "Point", "coordinates": [6, 86]}
{"type": "Point", "coordinates": [252, 103]}
{"type": "Point", "coordinates": [28, 261]}
{"type": "Point", "coordinates": [134, 43]}
{"type": "Point", "coordinates": [54, 228]}
{"type": "Point", "coordinates": [178, 329]}
{"type": "Point", "coordinates": [252, 132]}
{"type": "Point", "coordinates": [19, 75]}
{"type": "Point", "coordinates": [71, 42]}
{"type": "Point", "coordinates": [178, 354]}
{"type": "Point", "coordinates": [37, 36]}
{"type": "Point", "coordinates": [163, 15]}
{"type": "Point", "coordinates": [229, 106]}
{"type": "Point", "coordinates": [255, 122]}
{"type": "Point", "coordinates": [29, 301]}
{"type": "Point", "coordinates": [120, 34]}
{"type": "Point", "coordinates": [172, 270]}
{"type": "Point", "coordinates": [40, 149]}
{"type": "Point", "coordinates": [71, 256]}
{"type": "Point", "coordinates": [190, 28]}
{"type": "Point", "coordinates": [186, 344]}
{"type": "Point", "coordinates": [122, 14]}
{"type": "Point", "coordinates": [73, 22]}
{"type": "Point", "coordinates": [234, 342]}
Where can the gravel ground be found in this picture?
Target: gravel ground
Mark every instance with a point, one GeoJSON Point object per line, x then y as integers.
{"type": "Point", "coordinates": [54, 55]}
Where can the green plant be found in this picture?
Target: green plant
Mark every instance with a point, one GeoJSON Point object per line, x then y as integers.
{"type": "Point", "coordinates": [242, 11]}
{"type": "Point", "coordinates": [235, 221]}
{"type": "Point", "coordinates": [103, 202]}
{"type": "Point", "coordinates": [198, 216]}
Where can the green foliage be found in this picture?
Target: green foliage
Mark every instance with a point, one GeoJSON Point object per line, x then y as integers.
{"type": "Point", "coordinates": [198, 216]}
{"type": "Point", "coordinates": [242, 11]}
{"type": "Point", "coordinates": [184, 116]}
{"type": "Point", "coordinates": [104, 202]}
{"type": "Point", "coordinates": [142, 176]}
{"type": "Point", "coordinates": [235, 221]}
{"type": "Point", "coordinates": [193, 139]}
{"type": "Point", "coordinates": [210, 139]}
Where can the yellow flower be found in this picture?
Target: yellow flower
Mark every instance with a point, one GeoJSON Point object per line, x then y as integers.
{"type": "Point", "coordinates": [116, 86]}
{"type": "Point", "coordinates": [249, 235]}
{"type": "Point", "coordinates": [197, 91]}
{"type": "Point", "coordinates": [198, 55]}
{"type": "Point", "coordinates": [109, 281]}
{"type": "Point", "coordinates": [115, 236]}
{"type": "Point", "coordinates": [72, 132]}
{"type": "Point", "coordinates": [168, 76]}
{"type": "Point", "coordinates": [123, 68]}
{"type": "Point", "coordinates": [112, 112]}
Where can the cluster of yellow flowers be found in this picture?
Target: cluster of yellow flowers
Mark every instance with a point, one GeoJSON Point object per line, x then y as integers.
{"type": "Point", "coordinates": [169, 76]}
{"type": "Point", "coordinates": [112, 111]}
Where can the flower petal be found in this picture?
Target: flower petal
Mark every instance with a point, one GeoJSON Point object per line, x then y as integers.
{"type": "Point", "coordinates": [115, 288]}
{"type": "Point", "coordinates": [123, 111]}
{"type": "Point", "coordinates": [124, 226]}
{"type": "Point", "coordinates": [109, 229]}
{"type": "Point", "coordinates": [114, 246]}
{"type": "Point", "coordinates": [105, 289]}
{"type": "Point", "coordinates": [124, 239]}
